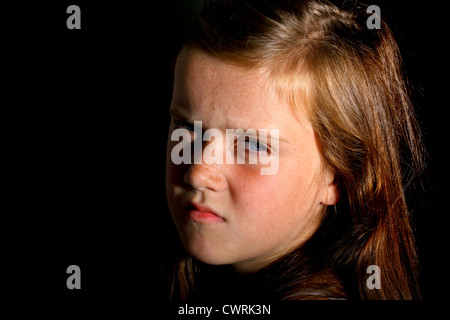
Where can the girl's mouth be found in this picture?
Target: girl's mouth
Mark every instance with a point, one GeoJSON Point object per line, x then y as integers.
{"type": "Point", "coordinates": [202, 214]}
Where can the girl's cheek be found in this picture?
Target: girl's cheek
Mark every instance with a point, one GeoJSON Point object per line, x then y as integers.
{"type": "Point", "coordinates": [250, 188]}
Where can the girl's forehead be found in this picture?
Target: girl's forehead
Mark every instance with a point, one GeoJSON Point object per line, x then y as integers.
{"type": "Point", "coordinates": [206, 83]}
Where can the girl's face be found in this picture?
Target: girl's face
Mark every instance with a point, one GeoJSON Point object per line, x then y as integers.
{"type": "Point", "coordinates": [257, 218]}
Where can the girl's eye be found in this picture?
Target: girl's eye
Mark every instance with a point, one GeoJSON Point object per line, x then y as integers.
{"type": "Point", "coordinates": [254, 145]}
{"type": "Point", "coordinates": [184, 124]}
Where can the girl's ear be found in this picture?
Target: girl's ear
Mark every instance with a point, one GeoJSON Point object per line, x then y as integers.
{"type": "Point", "coordinates": [332, 192]}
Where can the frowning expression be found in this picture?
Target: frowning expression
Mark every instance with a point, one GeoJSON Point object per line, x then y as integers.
{"type": "Point", "coordinates": [231, 213]}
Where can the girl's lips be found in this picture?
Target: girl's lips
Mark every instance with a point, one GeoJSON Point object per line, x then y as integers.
{"type": "Point", "coordinates": [202, 214]}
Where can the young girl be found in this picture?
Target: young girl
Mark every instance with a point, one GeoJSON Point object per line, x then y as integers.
{"type": "Point", "coordinates": [333, 221]}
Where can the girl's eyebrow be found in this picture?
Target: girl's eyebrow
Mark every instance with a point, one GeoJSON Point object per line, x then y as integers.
{"type": "Point", "coordinates": [269, 137]}
{"type": "Point", "coordinates": [179, 112]}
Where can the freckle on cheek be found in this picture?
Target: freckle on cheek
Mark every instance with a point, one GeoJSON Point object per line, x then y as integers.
{"type": "Point", "coordinates": [252, 189]}
{"type": "Point", "coordinates": [245, 180]}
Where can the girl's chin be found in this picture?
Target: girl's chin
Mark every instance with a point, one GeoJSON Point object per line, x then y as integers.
{"type": "Point", "coordinates": [211, 256]}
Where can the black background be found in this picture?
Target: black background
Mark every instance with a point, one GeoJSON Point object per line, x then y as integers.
{"type": "Point", "coordinates": [85, 127]}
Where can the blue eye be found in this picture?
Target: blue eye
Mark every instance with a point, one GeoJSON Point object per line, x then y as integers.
{"type": "Point", "coordinates": [254, 145]}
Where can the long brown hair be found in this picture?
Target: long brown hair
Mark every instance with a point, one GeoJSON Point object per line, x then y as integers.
{"type": "Point", "coordinates": [351, 79]}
